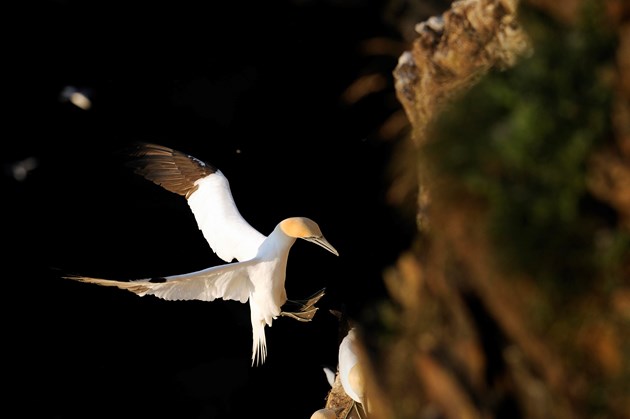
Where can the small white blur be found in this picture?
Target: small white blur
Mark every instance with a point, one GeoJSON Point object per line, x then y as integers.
{"type": "Point", "coordinates": [21, 169]}
{"type": "Point", "coordinates": [79, 97]}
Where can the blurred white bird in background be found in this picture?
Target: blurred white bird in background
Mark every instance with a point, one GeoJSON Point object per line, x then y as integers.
{"type": "Point", "coordinates": [257, 277]}
{"type": "Point", "coordinates": [79, 97]}
{"type": "Point", "coordinates": [21, 169]}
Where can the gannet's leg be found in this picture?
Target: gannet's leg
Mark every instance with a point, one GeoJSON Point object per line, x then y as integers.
{"type": "Point", "coordinates": [307, 308]}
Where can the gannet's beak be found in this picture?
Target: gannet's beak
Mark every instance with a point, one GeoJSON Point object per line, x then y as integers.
{"type": "Point", "coordinates": [321, 241]}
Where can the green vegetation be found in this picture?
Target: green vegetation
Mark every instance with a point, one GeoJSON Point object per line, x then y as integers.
{"type": "Point", "coordinates": [521, 138]}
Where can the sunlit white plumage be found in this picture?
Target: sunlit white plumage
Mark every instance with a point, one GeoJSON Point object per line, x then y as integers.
{"type": "Point", "coordinates": [324, 414]}
{"type": "Point", "coordinates": [330, 376]}
{"type": "Point", "coordinates": [257, 277]}
{"type": "Point", "coordinates": [350, 373]}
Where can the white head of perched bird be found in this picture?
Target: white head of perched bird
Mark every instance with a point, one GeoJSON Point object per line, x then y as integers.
{"type": "Point", "coordinates": [257, 277]}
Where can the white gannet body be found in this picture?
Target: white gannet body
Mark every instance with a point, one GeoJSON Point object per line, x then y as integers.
{"type": "Point", "coordinates": [350, 373]}
{"type": "Point", "coordinates": [257, 277]}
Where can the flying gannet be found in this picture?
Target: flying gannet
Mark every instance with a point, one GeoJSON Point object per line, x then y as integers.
{"type": "Point", "coordinates": [259, 273]}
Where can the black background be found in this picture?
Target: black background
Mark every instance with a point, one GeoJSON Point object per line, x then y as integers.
{"type": "Point", "coordinates": [261, 100]}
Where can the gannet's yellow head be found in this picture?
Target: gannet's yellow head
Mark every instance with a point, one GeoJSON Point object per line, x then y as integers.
{"type": "Point", "coordinates": [307, 229]}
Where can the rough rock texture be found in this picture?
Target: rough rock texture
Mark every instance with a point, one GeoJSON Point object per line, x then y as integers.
{"type": "Point", "coordinates": [515, 299]}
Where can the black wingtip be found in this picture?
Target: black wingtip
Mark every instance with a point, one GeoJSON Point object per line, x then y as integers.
{"type": "Point", "coordinates": [171, 169]}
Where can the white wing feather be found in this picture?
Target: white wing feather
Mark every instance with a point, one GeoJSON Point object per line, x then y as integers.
{"type": "Point", "coordinates": [218, 218]}
{"type": "Point", "coordinates": [208, 194]}
{"type": "Point", "coordinates": [227, 282]}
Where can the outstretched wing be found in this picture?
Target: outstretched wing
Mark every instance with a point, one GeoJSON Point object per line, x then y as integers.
{"type": "Point", "coordinates": [228, 282]}
{"type": "Point", "coordinates": [209, 197]}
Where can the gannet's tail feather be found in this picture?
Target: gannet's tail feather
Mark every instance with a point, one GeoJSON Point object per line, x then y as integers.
{"type": "Point", "coordinates": [259, 344]}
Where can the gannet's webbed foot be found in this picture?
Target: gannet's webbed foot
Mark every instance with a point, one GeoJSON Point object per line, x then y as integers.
{"type": "Point", "coordinates": [307, 309]}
